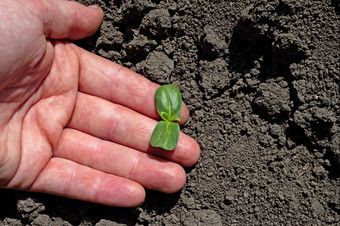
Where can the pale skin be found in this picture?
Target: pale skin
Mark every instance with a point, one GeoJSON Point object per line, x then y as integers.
{"type": "Point", "coordinates": [72, 123]}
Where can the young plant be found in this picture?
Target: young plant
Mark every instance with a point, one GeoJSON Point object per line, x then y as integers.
{"type": "Point", "coordinates": [169, 105]}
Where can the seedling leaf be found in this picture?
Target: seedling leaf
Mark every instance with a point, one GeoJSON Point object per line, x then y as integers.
{"type": "Point", "coordinates": [169, 105]}
{"type": "Point", "coordinates": [165, 135]}
{"type": "Point", "coordinates": [168, 100]}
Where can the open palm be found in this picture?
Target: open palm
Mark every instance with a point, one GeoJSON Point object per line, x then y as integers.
{"type": "Point", "coordinates": [72, 123]}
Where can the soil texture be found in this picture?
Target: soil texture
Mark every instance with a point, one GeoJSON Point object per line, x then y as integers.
{"type": "Point", "coordinates": [261, 80]}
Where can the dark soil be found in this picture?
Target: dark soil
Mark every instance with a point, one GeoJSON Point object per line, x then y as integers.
{"type": "Point", "coordinates": [261, 79]}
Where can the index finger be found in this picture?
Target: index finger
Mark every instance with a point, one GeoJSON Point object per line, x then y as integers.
{"type": "Point", "coordinates": [115, 83]}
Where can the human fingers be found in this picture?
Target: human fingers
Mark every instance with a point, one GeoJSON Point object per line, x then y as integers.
{"type": "Point", "coordinates": [103, 119]}
{"type": "Point", "coordinates": [68, 19]}
{"type": "Point", "coordinates": [149, 171]}
{"type": "Point", "coordinates": [108, 80]}
{"type": "Point", "coordinates": [65, 178]}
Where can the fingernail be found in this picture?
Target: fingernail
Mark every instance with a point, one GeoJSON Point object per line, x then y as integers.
{"type": "Point", "coordinates": [93, 6]}
{"type": "Point", "coordinates": [187, 122]}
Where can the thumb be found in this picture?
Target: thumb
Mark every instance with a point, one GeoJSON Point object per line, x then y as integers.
{"type": "Point", "coordinates": [70, 20]}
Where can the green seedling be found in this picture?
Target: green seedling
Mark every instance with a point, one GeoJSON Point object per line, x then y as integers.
{"type": "Point", "coordinates": [169, 105]}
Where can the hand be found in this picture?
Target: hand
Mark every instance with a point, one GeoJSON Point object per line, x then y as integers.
{"type": "Point", "coordinates": [72, 123]}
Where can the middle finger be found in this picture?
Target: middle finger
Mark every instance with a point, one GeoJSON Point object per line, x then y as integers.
{"type": "Point", "coordinates": [103, 119]}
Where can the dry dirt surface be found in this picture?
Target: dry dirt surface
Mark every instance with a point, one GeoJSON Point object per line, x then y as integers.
{"type": "Point", "coordinates": [261, 80]}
